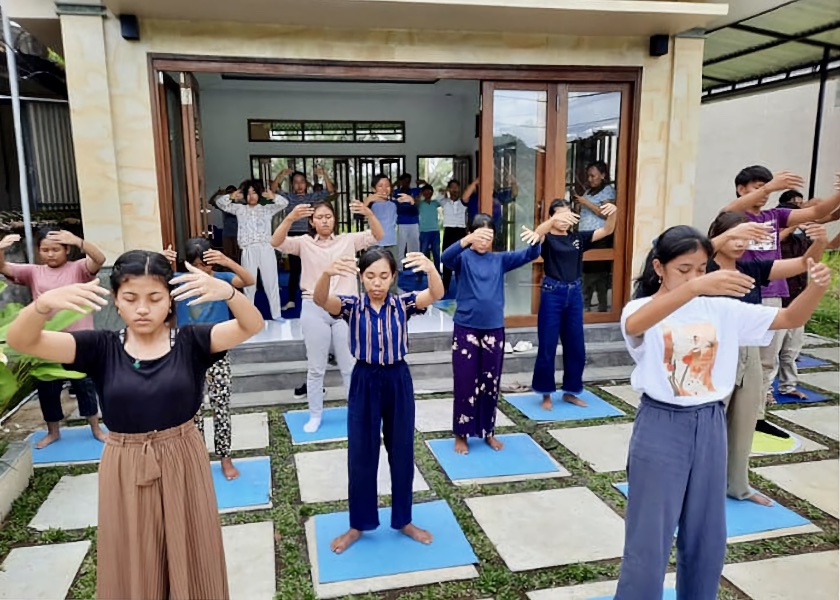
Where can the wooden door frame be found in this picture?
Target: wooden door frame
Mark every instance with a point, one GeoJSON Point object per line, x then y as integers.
{"type": "Point", "coordinates": [537, 74]}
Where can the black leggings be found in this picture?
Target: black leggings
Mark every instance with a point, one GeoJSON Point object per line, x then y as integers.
{"type": "Point", "coordinates": [450, 236]}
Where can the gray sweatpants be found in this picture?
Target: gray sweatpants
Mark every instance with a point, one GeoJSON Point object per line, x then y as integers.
{"type": "Point", "coordinates": [676, 470]}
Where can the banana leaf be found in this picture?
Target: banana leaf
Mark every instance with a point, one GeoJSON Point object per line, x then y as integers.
{"type": "Point", "coordinates": [53, 372]}
{"type": "Point", "coordinates": [61, 321]}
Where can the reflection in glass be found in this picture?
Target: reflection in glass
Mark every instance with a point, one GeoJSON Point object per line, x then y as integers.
{"type": "Point", "coordinates": [597, 285]}
{"type": "Point", "coordinates": [519, 131]}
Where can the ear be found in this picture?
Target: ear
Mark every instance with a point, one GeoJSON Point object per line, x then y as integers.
{"type": "Point", "coordinates": [658, 268]}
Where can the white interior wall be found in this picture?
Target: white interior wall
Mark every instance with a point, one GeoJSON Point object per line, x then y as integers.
{"type": "Point", "coordinates": [439, 118]}
{"type": "Point", "coordinates": [774, 129]}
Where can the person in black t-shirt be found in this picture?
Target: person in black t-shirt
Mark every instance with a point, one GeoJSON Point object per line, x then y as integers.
{"type": "Point", "coordinates": [158, 529]}
{"type": "Point", "coordinates": [561, 299]}
{"type": "Point", "coordinates": [731, 233]}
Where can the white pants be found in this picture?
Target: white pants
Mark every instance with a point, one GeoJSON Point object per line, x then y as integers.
{"type": "Point", "coordinates": [408, 240]}
{"type": "Point", "coordinates": [791, 347]}
{"type": "Point", "coordinates": [260, 259]}
{"type": "Point", "coordinates": [770, 356]}
{"type": "Point", "coordinates": [320, 332]}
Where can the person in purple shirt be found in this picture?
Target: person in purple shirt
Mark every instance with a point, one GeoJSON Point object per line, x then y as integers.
{"type": "Point", "coordinates": [753, 185]}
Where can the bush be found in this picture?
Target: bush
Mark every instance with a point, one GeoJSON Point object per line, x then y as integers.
{"type": "Point", "coordinates": [826, 319]}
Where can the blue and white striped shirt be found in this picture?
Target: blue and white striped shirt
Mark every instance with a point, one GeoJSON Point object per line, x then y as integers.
{"type": "Point", "coordinates": [379, 337]}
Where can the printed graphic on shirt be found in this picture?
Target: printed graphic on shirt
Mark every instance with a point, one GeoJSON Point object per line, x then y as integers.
{"type": "Point", "coordinates": [770, 244]}
{"type": "Point", "coordinates": [690, 352]}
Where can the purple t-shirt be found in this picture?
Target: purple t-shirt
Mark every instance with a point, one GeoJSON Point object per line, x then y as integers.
{"type": "Point", "coordinates": [770, 250]}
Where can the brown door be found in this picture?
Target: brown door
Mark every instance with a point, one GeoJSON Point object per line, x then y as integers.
{"type": "Point", "coordinates": [196, 199]}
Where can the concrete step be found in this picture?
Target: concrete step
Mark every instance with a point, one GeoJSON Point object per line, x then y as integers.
{"type": "Point", "coordinates": [263, 376]}
{"type": "Point", "coordinates": [269, 352]}
{"type": "Point", "coordinates": [434, 385]}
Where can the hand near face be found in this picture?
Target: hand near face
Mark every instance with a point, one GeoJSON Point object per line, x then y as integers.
{"type": "Point", "coordinates": [198, 287]}
{"type": "Point", "coordinates": [79, 297]}
{"type": "Point", "coordinates": [346, 265]}
{"type": "Point", "coordinates": [418, 262]}
{"type": "Point", "coordinates": [9, 240]}
{"type": "Point", "coordinates": [65, 238]}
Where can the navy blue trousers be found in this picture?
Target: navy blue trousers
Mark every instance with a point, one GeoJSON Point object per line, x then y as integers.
{"type": "Point", "coordinates": [380, 396]}
{"type": "Point", "coordinates": [49, 397]}
{"type": "Point", "coordinates": [560, 317]}
{"type": "Point", "coordinates": [676, 469]}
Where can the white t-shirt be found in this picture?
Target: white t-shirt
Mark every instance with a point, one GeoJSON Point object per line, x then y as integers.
{"type": "Point", "coordinates": [454, 212]}
{"type": "Point", "coordinates": [691, 357]}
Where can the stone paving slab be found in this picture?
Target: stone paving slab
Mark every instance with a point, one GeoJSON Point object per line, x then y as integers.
{"type": "Point", "coordinates": [812, 339]}
{"type": "Point", "coordinates": [587, 591]}
{"type": "Point", "coordinates": [816, 482]}
{"type": "Point", "coordinates": [378, 584]}
{"type": "Point", "coordinates": [323, 475]}
{"type": "Point", "coordinates": [436, 415]}
{"type": "Point", "coordinates": [550, 528]}
{"type": "Point", "coordinates": [71, 504]}
{"type": "Point", "coordinates": [788, 577]}
{"type": "Point", "coordinates": [249, 554]}
{"type": "Point", "coordinates": [825, 420]}
{"type": "Point", "coordinates": [825, 380]}
{"type": "Point", "coordinates": [625, 392]}
{"type": "Point", "coordinates": [832, 354]}
{"type": "Point", "coordinates": [250, 432]}
{"type": "Point", "coordinates": [604, 447]}
{"type": "Point", "coordinates": [41, 572]}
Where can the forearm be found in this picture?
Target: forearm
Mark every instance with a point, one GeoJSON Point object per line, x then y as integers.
{"type": "Point", "coordinates": [745, 202]}
{"type": "Point", "coordinates": [800, 310]}
{"type": "Point", "coordinates": [27, 329]}
{"type": "Point", "coordinates": [450, 255]}
{"type": "Point", "coordinates": [281, 232]}
{"type": "Point", "coordinates": [657, 310]}
{"type": "Point", "coordinates": [246, 314]}
{"type": "Point", "coordinates": [465, 197]}
{"type": "Point", "coordinates": [375, 227]}
{"type": "Point", "coordinates": [328, 183]}
{"type": "Point", "coordinates": [785, 233]}
{"type": "Point", "coordinates": [721, 240]}
{"type": "Point", "coordinates": [321, 295]}
{"type": "Point", "coordinates": [93, 253]}
{"type": "Point", "coordinates": [245, 278]}
{"type": "Point", "coordinates": [816, 250]}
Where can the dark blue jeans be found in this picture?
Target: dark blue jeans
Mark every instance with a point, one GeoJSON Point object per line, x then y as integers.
{"type": "Point", "coordinates": [430, 242]}
{"type": "Point", "coordinates": [560, 317]}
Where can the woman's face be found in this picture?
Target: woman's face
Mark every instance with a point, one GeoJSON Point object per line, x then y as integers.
{"type": "Point", "coordinates": [252, 197]}
{"type": "Point", "coordinates": [383, 186]}
{"type": "Point", "coordinates": [594, 177]}
{"type": "Point", "coordinates": [377, 280]}
{"type": "Point", "coordinates": [323, 221]}
{"type": "Point", "coordinates": [560, 227]}
{"type": "Point", "coordinates": [53, 255]}
{"type": "Point", "coordinates": [681, 269]}
{"type": "Point", "coordinates": [299, 184]}
{"type": "Point", "coordinates": [143, 303]}
{"type": "Point", "coordinates": [201, 266]}
{"type": "Point", "coordinates": [482, 246]}
{"type": "Point", "coordinates": [733, 249]}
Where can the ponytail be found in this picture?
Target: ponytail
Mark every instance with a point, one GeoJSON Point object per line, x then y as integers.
{"type": "Point", "coordinates": [673, 243]}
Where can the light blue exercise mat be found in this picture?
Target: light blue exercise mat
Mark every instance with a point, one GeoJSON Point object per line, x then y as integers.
{"type": "Point", "coordinates": [386, 551]}
{"type": "Point", "coordinates": [744, 517]}
{"type": "Point", "coordinates": [530, 405]}
{"type": "Point", "coordinates": [76, 446]}
{"type": "Point", "coordinates": [667, 594]}
{"type": "Point", "coordinates": [520, 456]}
{"type": "Point", "coordinates": [333, 425]}
{"type": "Point", "coordinates": [810, 395]}
{"type": "Point", "coordinates": [250, 491]}
{"type": "Point", "coordinates": [809, 362]}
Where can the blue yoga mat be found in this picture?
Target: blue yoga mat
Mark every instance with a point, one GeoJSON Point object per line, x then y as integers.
{"type": "Point", "coordinates": [77, 445]}
{"type": "Point", "coordinates": [529, 405]}
{"type": "Point", "coordinates": [520, 456]}
{"type": "Point", "coordinates": [251, 489]}
{"type": "Point", "coordinates": [809, 362]}
{"type": "Point", "coordinates": [667, 594]}
{"type": "Point", "coordinates": [386, 551]}
{"type": "Point", "coordinates": [810, 395]}
{"type": "Point", "coordinates": [744, 517]}
{"type": "Point", "coordinates": [333, 425]}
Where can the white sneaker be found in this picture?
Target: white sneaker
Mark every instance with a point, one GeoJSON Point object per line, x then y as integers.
{"type": "Point", "coordinates": [523, 346]}
{"type": "Point", "coordinates": [288, 306]}
{"type": "Point", "coordinates": [508, 348]}
{"type": "Point", "coordinates": [312, 425]}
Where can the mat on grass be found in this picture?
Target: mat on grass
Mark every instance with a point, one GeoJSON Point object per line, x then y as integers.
{"type": "Point", "coordinates": [530, 405]}
{"type": "Point", "coordinates": [520, 456]}
{"type": "Point", "coordinates": [386, 551]}
{"type": "Point", "coordinates": [333, 425]}
{"type": "Point", "coordinates": [764, 443]}
{"type": "Point", "coordinates": [250, 491]}
{"type": "Point", "coordinates": [667, 594]}
{"type": "Point", "coordinates": [809, 362]}
{"type": "Point", "coordinates": [810, 395]}
{"type": "Point", "coordinates": [77, 446]}
{"type": "Point", "coordinates": [744, 517]}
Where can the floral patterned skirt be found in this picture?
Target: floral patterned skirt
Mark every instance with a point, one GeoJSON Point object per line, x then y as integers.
{"type": "Point", "coordinates": [477, 356]}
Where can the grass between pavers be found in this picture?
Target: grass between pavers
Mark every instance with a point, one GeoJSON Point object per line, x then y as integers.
{"type": "Point", "coordinates": [495, 579]}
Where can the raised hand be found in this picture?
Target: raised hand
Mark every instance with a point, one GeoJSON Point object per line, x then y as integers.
{"type": "Point", "coordinates": [170, 254]}
{"type": "Point", "coordinates": [816, 232]}
{"type": "Point", "coordinates": [405, 199]}
{"type": "Point", "coordinates": [756, 232]}
{"type": "Point", "coordinates": [482, 234]}
{"type": "Point", "coordinates": [346, 265]}
{"type": "Point", "coordinates": [79, 297]}
{"type": "Point", "coordinates": [376, 198]}
{"type": "Point", "coordinates": [200, 286]}
{"type": "Point", "coordinates": [319, 171]}
{"type": "Point", "coordinates": [608, 209]}
{"type": "Point", "coordinates": [269, 195]}
{"type": "Point", "coordinates": [566, 217]}
{"type": "Point", "coordinates": [301, 211]}
{"type": "Point", "coordinates": [723, 283]}
{"type": "Point", "coordinates": [8, 241]}
{"type": "Point", "coordinates": [819, 274]}
{"type": "Point", "coordinates": [359, 208]}
{"type": "Point", "coordinates": [529, 236]}
{"type": "Point", "coordinates": [214, 257]}
{"type": "Point", "coordinates": [236, 195]}
{"type": "Point", "coordinates": [784, 180]}
{"type": "Point", "coordinates": [418, 263]}
{"type": "Point", "coordinates": [64, 237]}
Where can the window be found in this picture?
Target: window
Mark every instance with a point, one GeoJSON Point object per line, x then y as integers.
{"type": "Point", "coordinates": [326, 131]}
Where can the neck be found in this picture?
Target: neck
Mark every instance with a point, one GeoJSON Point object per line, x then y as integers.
{"type": "Point", "coordinates": [725, 262]}
{"type": "Point", "coordinates": [377, 304]}
{"type": "Point", "coordinates": [321, 236]}
{"type": "Point", "coordinates": [147, 338]}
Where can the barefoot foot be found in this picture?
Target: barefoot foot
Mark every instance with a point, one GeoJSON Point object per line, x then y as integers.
{"type": "Point", "coordinates": [417, 534]}
{"type": "Point", "coordinates": [760, 499]}
{"type": "Point", "coordinates": [228, 470]}
{"type": "Point", "coordinates": [345, 540]}
{"type": "Point", "coordinates": [461, 446]}
{"type": "Point", "coordinates": [494, 443]}
{"type": "Point", "coordinates": [572, 399]}
{"type": "Point", "coordinates": [99, 434]}
{"type": "Point", "coordinates": [546, 403]}
{"type": "Point", "coordinates": [47, 440]}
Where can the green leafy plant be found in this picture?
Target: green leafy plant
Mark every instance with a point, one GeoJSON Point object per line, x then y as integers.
{"type": "Point", "coordinates": [826, 319]}
{"type": "Point", "coordinates": [19, 372]}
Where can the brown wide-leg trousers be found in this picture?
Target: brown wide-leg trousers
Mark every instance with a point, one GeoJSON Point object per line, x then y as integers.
{"type": "Point", "coordinates": [159, 535]}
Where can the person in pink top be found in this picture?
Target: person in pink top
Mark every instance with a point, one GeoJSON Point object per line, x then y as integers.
{"type": "Point", "coordinates": [54, 271]}
{"type": "Point", "coordinates": [317, 251]}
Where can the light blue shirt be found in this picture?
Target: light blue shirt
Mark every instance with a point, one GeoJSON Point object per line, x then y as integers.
{"type": "Point", "coordinates": [386, 212]}
{"type": "Point", "coordinates": [589, 221]}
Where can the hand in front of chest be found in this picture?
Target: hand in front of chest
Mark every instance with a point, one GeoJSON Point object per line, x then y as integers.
{"type": "Point", "coordinates": [358, 208]}
{"type": "Point", "coordinates": [418, 262]}
{"type": "Point", "coordinates": [201, 287]}
{"type": "Point", "coordinates": [80, 297]}
{"type": "Point", "coordinates": [752, 232]}
{"type": "Point", "coordinates": [723, 283]}
{"type": "Point", "coordinates": [346, 265]}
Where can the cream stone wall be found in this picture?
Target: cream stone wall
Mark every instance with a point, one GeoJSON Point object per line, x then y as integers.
{"type": "Point", "coordinates": [668, 112]}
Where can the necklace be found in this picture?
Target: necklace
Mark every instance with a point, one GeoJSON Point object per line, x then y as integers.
{"type": "Point", "coordinates": [136, 364]}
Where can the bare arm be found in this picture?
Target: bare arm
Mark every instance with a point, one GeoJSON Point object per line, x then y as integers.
{"type": "Point", "coordinates": [469, 191]}
{"type": "Point", "coordinates": [800, 310]}
{"type": "Point", "coordinates": [611, 212]}
{"type": "Point", "coordinates": [817, 212]}
{"type": "Point", "coordinates": [94, 259]}
{"type": "Point", "coordinates": [345, 265]}
{"type": "Point", "coordinates": [242, 278]}
{"type": "Point", "coordinates": [5, 244]}
{"type": "Point", "coordinates": [783, 180]}
{"type": "Point", "coordinates": [584, 201]}
{"type": "Point", "coordinates": [301, 211]}
{"type": "Point", "coordinates": [757, 232]}
{"type": "Point", "coordinates": [419, 262]}
{"type": "Point", "coordinates": [360, 208]}
{"type": "Point", "coordinates": [328, 183]}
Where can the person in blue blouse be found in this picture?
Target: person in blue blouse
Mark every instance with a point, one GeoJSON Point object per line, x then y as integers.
{"type": "Point", "coordinates": [201, 255]}
{"type": "Point", "coordinates": [381, 395]}
{"type": "Point", "coordinates": [479, 334]}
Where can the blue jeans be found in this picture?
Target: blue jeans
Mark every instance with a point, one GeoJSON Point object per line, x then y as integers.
{"type": "Point", "coordinates": [430, 242]}
{"type": "Point", "coordinates": [560, 316]}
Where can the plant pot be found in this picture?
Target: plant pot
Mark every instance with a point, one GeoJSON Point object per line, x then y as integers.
{"type": "Point", "coordinates": [15, 472]}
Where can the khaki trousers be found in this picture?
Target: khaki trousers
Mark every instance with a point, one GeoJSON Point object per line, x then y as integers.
{"type": "Point", "coordinates": [742, 408]}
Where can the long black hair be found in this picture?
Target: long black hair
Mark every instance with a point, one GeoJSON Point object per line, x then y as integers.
{"type": "Point", "coordinates": [374, 254]}
{"type": "Point", "coordinates": [195, 249]}
{"type": "Point", "coordinates": [142, 263]}
{"type": "Point", "coordinates": [672, 243]}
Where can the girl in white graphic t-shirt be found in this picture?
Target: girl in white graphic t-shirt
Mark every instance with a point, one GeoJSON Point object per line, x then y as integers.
{"type": "Point", "coordinates": [685, 343]}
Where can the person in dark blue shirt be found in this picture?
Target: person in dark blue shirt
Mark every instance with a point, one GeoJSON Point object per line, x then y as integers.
{"type": "Point", "coordinates": [479, 333]}
{"type": "Point", "coordinates": [201, 255]}
{"type": "Point", "coordinates": [381, 395]}
{"type": "Point", "coordinates": [561, 299]}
